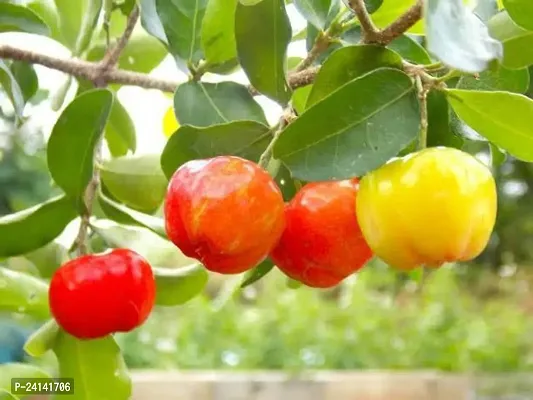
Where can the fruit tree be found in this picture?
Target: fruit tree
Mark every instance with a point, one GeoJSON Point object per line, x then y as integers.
{"type": "Point", "coordinates": [368, 157]}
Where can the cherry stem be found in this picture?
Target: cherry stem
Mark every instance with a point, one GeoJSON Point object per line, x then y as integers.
{"type": "Point", "coordinates": [422, 99]}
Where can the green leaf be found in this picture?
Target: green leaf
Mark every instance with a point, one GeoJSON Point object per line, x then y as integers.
{"type": "Point", "coordinates": [12, 88]}
{"type": "Point", "coordinates": [218, 32]}
{"type": "Point", "coordinates": [97, 367]}
{"type": "Point", "coordinates": [34, 227]}
{"type": "Point", "coordinates": [46, 10]}
{"type": "Point", "coordinates": [124, 215]}
{"type": "Point", "coordinates": [501, 117]}
{"type": "Point", "coordinates": [352, 131]}
{"type": "Point", "coordinates": [293, 283]}
{"type": "Point", "coordinates": [42, 339]}
{"type": "Point", "coordinates": [70, 19]}
{"type": "Point", "coordinates": [257, 273]}
{"type": "Point", "coordinates": [23, 293]}
{"type": "Point", "coordinates": [74, 138]}
{"type": "Point", "coordinates": [316, 11]}
{"type": "Point", "coordinates": [48, 258]}
{"type": "Point", "coordinates": [155, 249]}
{"type": "Point", "coordinates": [448, 23]}
{"type": "Point", "coordinates": [120, 131]}
{"type": "Point", "coordinates": [501, 78]}
{"type": "Point", "coordinates": [263, 33]}
{"type": "Point", "coordinates": [347, 64]}
{"type": "Point", "coordinates": [497, 155]}
{"type": "Point", "coordinates": [205, 104]}
{"type": "Point", "coordinates": [405, 46]}
{"type": "Point", "coordinates": [18, 370]}
{"type": "Point", "coordinates": [439, 129]}
{"type": "Point", "coordinates": [151, 22]}
{"type": "Point", "coordinates": [27, 79]}
{"type": "Point", "coordinates": [247, 139]}
{"type": "Point", "coordinates": [17, 18]}
{"type": "Point", "coordinates": [136, 181]}
{"type": "Point", "coordinates": [521, 12]}
{"type": "Point", "coordinates": [142, 53]}
{"type": "Point", "coordinates": [390, 10]}
{"type": "Point", "coordinates": [182, 23]}
{"type": "Point", "coordinates": [300, 97]}
{"type": "Point", "coordinates": [517, 42]}
{"type": "Point", "coordinates": [178, 286]}
{"type": "Point", "coordinates": [373, 5]}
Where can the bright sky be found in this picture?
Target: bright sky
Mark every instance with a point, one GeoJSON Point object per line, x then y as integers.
{"type": "Point", "coordinates": [146, 107]}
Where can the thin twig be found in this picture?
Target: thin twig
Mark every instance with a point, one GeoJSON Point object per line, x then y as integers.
{"type": "Point", "coordinates": [112, 56]}
{"type": "Point", "coordinates": [422, 90]}
{"type": "Point", "coordinates": [369, 30]}
{"type": "Point", "coordinates": [401, 25]}
{"type": "Point", "coordinates": [322, 42]}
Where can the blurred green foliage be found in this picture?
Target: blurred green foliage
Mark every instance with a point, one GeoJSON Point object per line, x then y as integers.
{"type": "Point", "coordinates": [453, 322]}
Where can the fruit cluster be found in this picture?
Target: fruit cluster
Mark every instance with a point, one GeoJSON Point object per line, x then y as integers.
{"type": "Point", "coordinates": [434, 206]}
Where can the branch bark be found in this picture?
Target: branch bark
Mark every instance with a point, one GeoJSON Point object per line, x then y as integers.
{"type": "Point", "coordinates": [369, 30]}
{"type": "Point", "coordinates": [402, 24]}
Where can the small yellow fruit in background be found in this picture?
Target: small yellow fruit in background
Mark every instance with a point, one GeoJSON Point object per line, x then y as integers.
{"type": "Point", "coordinates": [170, 123]}
{"type": "Point", "coordinates": [427, 208]}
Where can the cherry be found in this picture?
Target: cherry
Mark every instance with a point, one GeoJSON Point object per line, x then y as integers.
{"type": "Point", "coordinates": [322, 243]}
{"type": "Point", "coordinates": [99, 294]}
{"type": "Point", "coordinates": [226, 212]}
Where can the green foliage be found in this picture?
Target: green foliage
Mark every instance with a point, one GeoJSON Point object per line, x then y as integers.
{"type": "Point", "coordinates": [15, 18]}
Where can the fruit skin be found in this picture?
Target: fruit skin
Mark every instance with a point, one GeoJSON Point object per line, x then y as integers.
{"type": "Point", "coordinates": [322, 243]}
{"type": "Point", "coordinates": [430, 207]}
{"type": "Point", "coordinates": [226, 212]}
{"type": "Point", "coordinates": [99, 294]}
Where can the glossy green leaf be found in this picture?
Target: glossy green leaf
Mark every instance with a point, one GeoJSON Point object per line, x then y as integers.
{"type": "Point", "coordinates": [182, 23]}
{"type": "Point", "coordinates": [517, 42]}
{"type": "Point", "coordinates": [521, 12]}
{"type": "Point", "coordinates": [42, 339]}
{"type": "Point", "coordinates": [347, 64]}
{"type": "Point", "coordinates": [97, 367]}
{"type": "Point", "coordinates": [34, 227]}
{"type": "Point", "coordinates": [70, 19]}
{"type": "Point", "coordinates": [26, 78]}
{"type": "Point", "coordinates": [501, 117]}
{"type": "Point", "coordinates": [136, 181]}
{"type": "Point", "coordinates": [150, 20]}
{"type": "Point", "coordinates": [439, 129]}
{"type": "Point", "coordinates": [12, 88]}
{"type": "Point", "coordinates": [300, 98]}
{"type": "Point", "coordinates": [257, 273]}
{"type": "Point", "coordinates": [18, 370]}
{"type": "Point", "coordinates": [247, 139]}
{"type": "Point", "coordinates": [448, 23]}
{"type": "Point", "coordinates": [153, 247]}
{"type": "Point", "coordinates": [316, 11]}
{"type": "Point", "coordinates": [218, 31]}
{"type": "Point", "coordinates": [17, 18]}
{"type": "Point", "coordinates": [354, 130]}
{"type": "Point", "coordinates": [120, 131]}
{"type": "Point", "coordinates": [23, 293]}
{"type": "Point", "coordinates": [373, 5]}
{"type": "Point", "coordinates": [205, 104]}
{"type": "Point", "coordinates": [142, 53]}
{"type": "Point", "coordinates": [390, 10]}
{"type": "Point", "coordinates": [263, 33]}
{"type": "Point", "coordinates": [497, 155]}
{"type": "Point", "coordinates": [501, 78]}
{"type": "Point", "coordinates": [124, 215]}
{"type": "Point", "coordinates": [178, 286]}
{"type": "Point", "coordinates": [312, 34]}
{"type": "Point", "coordinates": [74, 138]}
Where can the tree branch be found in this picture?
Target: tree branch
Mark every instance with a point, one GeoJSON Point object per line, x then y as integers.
{"type": "Point", "coordinates": [369, 30]}
{"type": "Point", "coordinates": [402, 24]}
{"type": "Point", "coordinates": [111, 57]}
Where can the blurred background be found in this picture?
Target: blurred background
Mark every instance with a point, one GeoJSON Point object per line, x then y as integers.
{"type": "Point", "coordinates": [475, 317]}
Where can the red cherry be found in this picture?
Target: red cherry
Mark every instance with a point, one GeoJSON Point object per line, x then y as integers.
{"type": "Point", "coordinates": [226, 212]}
{"type": "Point", "coordinates": [322, 243]}
{"type": "Point", "coordinates": [99, 294]}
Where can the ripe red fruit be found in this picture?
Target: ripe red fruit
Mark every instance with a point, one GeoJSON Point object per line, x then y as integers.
{"type": "Point", "coordinates": [322, 243]}
{"type": "Point", "coordinates": [226, 212]}
{"type": "Point", "coordinates": [95, 295]}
